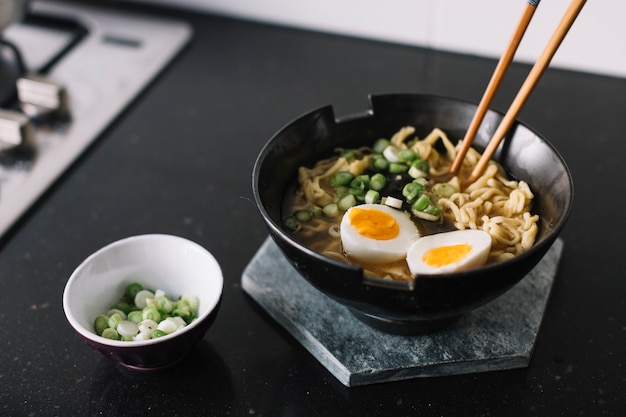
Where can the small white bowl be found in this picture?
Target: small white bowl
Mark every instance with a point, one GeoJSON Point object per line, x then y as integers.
{"type": "Point", "coordinates": [169, 263]}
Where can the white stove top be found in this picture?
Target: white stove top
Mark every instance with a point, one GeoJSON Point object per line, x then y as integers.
{"type": "Point", "coordinates": [120, 54]}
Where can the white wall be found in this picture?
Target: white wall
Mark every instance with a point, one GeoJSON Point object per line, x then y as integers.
{"type": "Point", "coordinates": [596, 43]}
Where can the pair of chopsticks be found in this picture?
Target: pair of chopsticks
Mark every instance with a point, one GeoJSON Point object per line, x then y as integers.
{"type": "Point", "coordinates": [531, 81]}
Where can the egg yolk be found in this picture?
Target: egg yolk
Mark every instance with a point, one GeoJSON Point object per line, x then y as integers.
{"type": "Point", "coordinates": [446, 255]}
{"type": "Point", "coordinates": [374, 224]}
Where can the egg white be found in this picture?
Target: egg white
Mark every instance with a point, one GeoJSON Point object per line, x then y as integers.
{"type": "Point", "coordinates": [367, 249]}
{"type": "Point", "coordinates": [479, 241]}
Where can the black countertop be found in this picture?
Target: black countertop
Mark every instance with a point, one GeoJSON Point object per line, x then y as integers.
{"type": "Point", "coordinates": [180, 161]}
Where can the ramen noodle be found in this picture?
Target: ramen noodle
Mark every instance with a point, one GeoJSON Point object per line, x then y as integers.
{"type": "Point", "coordinates": [493, 203]}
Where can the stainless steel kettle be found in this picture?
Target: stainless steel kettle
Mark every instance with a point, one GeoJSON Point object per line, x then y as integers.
{"type": "Point", "coordinates": [11, 11]}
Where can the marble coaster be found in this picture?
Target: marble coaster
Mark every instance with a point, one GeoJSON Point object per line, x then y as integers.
{"type": "Point", "coordinates": [499, 335]}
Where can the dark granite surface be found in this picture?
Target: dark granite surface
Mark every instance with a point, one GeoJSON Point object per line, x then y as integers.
{"type": "Point", "coordinates": [180, 161]}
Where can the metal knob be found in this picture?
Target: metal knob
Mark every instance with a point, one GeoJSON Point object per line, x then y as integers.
{"type": "Point", "coordinates": [16, 130]}
{"type": "Point", "coordinates": [41, 97]}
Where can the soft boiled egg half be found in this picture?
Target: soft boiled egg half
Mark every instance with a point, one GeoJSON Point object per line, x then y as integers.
{"type": "Point", "coordinates": [377, 233]}
{"type": "Point", "coordinates": [449, 252]}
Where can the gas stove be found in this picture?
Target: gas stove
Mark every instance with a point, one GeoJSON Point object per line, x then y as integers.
{"type": "Point", "coordinates": [81, 65]}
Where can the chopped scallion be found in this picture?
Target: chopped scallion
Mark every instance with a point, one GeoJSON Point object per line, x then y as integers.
{"type": "Point", "coordinates": [100, 323]}
{"type": "Point", "coordinates": [411, 191]}
{"type": "Point", "coordinates": [331, 210]}
{"type": "Point", "coordinates": [346, 202]}
{"type": "Point", "coordinates": [421, 203]}
{"type": "Point", "coordinates": [316, 211]}
{"type": "Point", "coordinates": [341, 178]}
{"type": "Point", "coordinates": [302, 215]}
{"type": "Point", "coordinates": [421, 164]}
{"type": "Point", "coordinates": [292, 223]}
{"type": "Point", "coordinates": [342, 190]}
{"type": "Point", "coordinates": [372, 197]}
{"type": "Point", "coordinates": [391, 153]}
{"type": "Point", "coordinates": [380, 145]}
{"type": "Point", "coordinates": [132, 289]}
{"type": "Point", "coordinates": [398, 168]}
{"type": "Point", "coordinates": [110, 333]}
{"type": "Point", "coordinates": [377, 182]}
{"type": "Point", "coordinates": [406, 155]}
{"type": "Point", "coordinates": [392, 202]}
{"type": "Point", "coordinates": [444, 189]}
{"type": "Point", "coordinates": [380, 163]}
{"type": "Point", "coordinates": [416, 173]}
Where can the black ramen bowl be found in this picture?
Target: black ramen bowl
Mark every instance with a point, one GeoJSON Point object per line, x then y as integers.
{"type": "Point", "coordinates": [430, 301]}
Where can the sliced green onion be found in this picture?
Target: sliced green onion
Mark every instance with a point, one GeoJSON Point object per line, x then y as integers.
{"type": "Point", "coordinates": [425, 216]}
{"type": "Point", "coordinates": [380, 163]}
{"type": "Point", "coordinates": [357, 192]}
{"type": "Point", "coordinates": [377, 182]}
{"type": "Point", "coordinates": [302, 215]}
{"type": "Point", "coordinates": [132, 289]}
{"type": "Point", "coordinates": [316, 211]}
{"type": "Point", "coordinates": [331, 210]}
{"type": "Point", "coordinates": [359, 185]}
{"type": "Point", "coordinates": [360, 181]}
{"type": "Point", "coordinates": [141, 297]}
{"type": "Point", "coordinates": [372, 197]}
{"type": "Point", "coordinates": [380, 145]}
{"type": "Point", "coordinates": [421, 203]}
{"type": "Point", "coordinates": [432, 209]}
{"type": "Point", "coordinates": [147, 326]}
{"type": "Point", "coordinates": [116, 311]}
{"type": "Point", "coordinates": [411, 191]}
{"type": "Point", "coordinates": [100, 324]}
{"type": "Point", "coordinates": [406, 155]}
{"type": "Point", "coordinates": [391, 153]}
{"type": "Point", "coordinates": [341, 178]}
{"type": "Point", "coordinates": [122, 306]}
{"type": "Point", "coordinates": [140, 324]}
{"type": "Point", "coordinates": [168, 326]}
{"type": "Point", "coordinates": [342, 190]}
{"type": "Point", "coordinates": [164, 304]}
{"type": "Point", "coordinates": [398, 168]}
{"type": "Point", "coordinates": [392, 202]}
{"type": "Point", "coordinates": [291, 223]}
{"type": "Point", "coordinates": [192, 301]}
{"type": "Point", "coordinates": [127, 328]}
{"type": "Point", "coordinates": [417, 173]}
{"type": "Point", "coordinates": [151, 314]}
{"type": "Point", "coordinates": [135, 316]}
{"type": "Point", "coordinates": [110, 333]}
{"type": "Point", "coordinates": [346, 202]}
{"type": "Point", "coordinates": [158, 333]}
{"type": "Point", "coordinates": [421, 164]}
{"type": "Point", "coordinates": [444, 189]}
{"type": "Point", "coordinates": [151, 303]}
{"type": "Point", "coordinates": [183, 311]}
{"type": "Point", "coordinates": [114, 320]}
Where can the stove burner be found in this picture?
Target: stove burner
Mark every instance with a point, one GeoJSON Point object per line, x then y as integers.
{"type": "Point", "coordinates": [74, 68]}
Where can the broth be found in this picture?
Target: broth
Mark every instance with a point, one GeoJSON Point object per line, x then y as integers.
{"type": "Point", "coordinates": [493, 203]}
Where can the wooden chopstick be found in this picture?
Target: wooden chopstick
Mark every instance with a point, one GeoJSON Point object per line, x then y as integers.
{"type": "Point", "coordinates": [494, 83]}
{"type": "Point", "coordinates": [531, 81]}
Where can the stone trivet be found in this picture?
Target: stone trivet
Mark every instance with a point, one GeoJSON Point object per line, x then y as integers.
{"type": "Point", "coordinates": [499, 335]}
